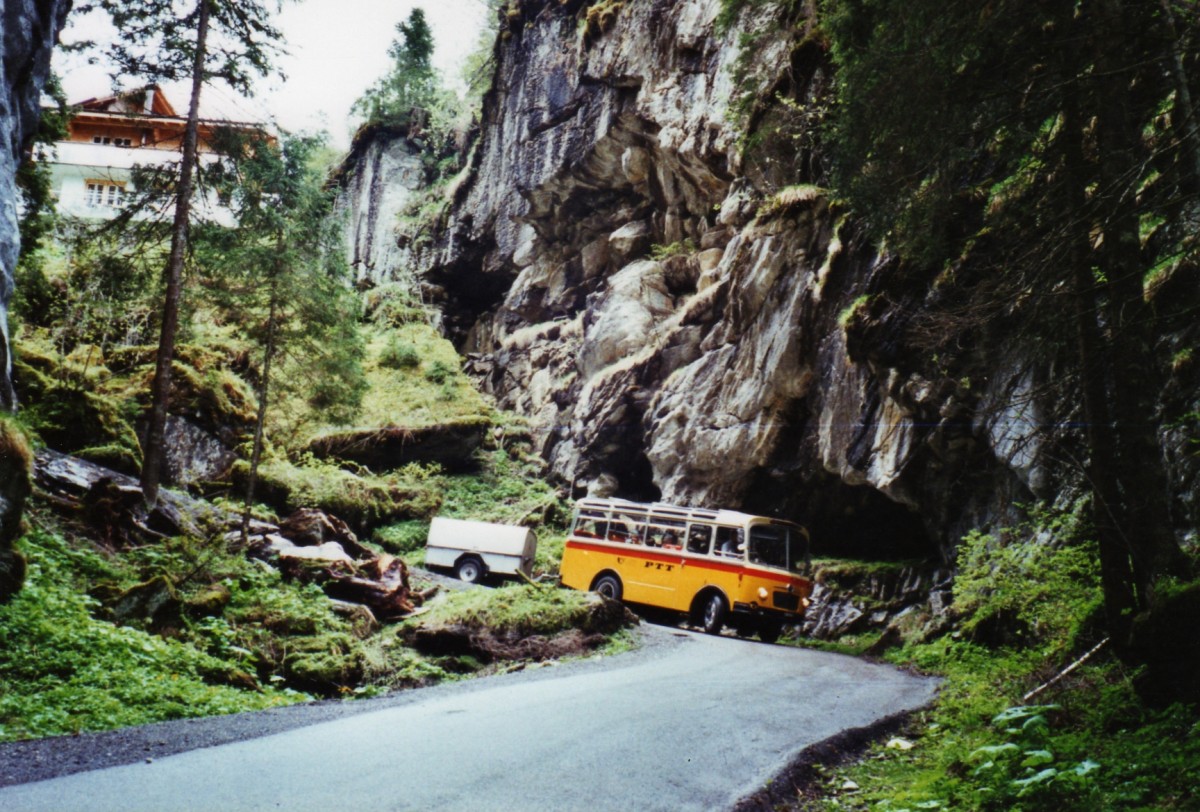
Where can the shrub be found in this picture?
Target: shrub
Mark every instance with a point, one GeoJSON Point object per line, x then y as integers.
{"type": "Point", "coordinates": [439, 372]}
{"type": "Point", "coordinates": [398, 354]}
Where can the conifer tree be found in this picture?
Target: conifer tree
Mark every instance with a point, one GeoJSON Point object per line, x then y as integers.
{"type": "Point", "coordinates": [282, 274]}
{"type": "Point", "coordinates": [227, 40]}
{"type": "Point", "coordinates": [411, 82]}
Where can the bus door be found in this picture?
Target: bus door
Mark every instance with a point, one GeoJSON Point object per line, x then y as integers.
{"type": "Point", "coordinates": [653, 572]}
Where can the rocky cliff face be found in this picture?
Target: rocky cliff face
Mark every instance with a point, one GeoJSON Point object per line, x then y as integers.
{"type": "Point", "coordinates": [28, 31]}
{"type": "Point", "coordinates": [377, 181]}
{"type": "Point", "coordinates": [679, 324]}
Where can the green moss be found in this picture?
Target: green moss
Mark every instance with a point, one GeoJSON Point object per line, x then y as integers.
{"type": "Point", "coordinates": [63, 671]}
{"type": "Point", "coordinates": [398, 354]}
{"type": "Point", "coordinates": [854, 310]}
{"type": "Point", "coordinates": [407, 395]}
{"type": "Point", "coordinates": [660, 252]}
{"type": "Point", "coordinates": [402, 537]}
{"type": "Point", "coordinates": [520, 609]}
{"type": "Point", "coordinates": [363, 501]}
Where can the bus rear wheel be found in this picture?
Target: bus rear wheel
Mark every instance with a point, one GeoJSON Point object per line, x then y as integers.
{"type": "Point", "coordinates": [609, 586]}
{"type": "Point", "coordinates": [713, 618]}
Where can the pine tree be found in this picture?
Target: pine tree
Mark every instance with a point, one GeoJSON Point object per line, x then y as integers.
{"type": "Point", "coordinates": [282, 274]}
{"type": "Point", "coordinates": [227, 40]}
{"type": "Point", "coordinates": [412, 81]}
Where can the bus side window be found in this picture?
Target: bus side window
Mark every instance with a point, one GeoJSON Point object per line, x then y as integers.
{"type": "Point", "coordinates": [729, 542]}
{"type": "Point", "coordinates": [699, 538]}
{"type": "Point", "coordinates": [591, 528]}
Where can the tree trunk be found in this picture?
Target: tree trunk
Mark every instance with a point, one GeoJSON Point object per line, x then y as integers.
{"type": "Point", "coordinates": [1116, 573]}
{"type": "Point", "coordinates": [160, 392]}
{"type": "Point", "coordinates": [1189, 137]}
{"type": "Point", "coordinates": [1134, 378]}
{"type": "Point", "coordinates": [263, 392]}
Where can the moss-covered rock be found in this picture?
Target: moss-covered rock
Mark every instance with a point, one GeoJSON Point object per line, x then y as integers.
{"type": "Point", "coordinates": [450, 445]}
{"type": "Point", "coordinates": [16, 461]}
{"type": "Point", "coordinates": [323, 664]}
{"type": "Point", "coordinates": [362, 502]}
{"type": "Point", "coordinates": [516, 623]}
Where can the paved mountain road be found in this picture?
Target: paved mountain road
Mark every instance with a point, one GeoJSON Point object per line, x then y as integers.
{"type": "Point", "coordinates": [694, 723]}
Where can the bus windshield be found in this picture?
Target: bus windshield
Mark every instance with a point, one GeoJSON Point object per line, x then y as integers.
{"type": "Point", "coordinates": [777, 545]}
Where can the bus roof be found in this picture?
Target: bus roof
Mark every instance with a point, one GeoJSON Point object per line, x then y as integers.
{"type": "Point", "coordinates": [731, 517]}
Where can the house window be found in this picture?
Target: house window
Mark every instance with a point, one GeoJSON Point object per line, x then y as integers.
{"type": "Point", "coordinates": [106, 193]}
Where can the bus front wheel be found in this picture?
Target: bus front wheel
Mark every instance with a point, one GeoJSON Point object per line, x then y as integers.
{"type": "Point", "coordinates": [609, 586]}
{"type": "Point", "coordinates": [713, 619]}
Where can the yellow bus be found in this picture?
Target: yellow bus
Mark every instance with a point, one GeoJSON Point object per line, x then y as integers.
{"type": "Point", "coordinates": [720, 567]}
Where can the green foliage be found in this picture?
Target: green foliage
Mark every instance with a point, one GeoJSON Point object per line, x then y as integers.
{"type": "Point", "coordinates": [402, 537]}
{"type": "Point", "coordinates": [64, 671]}
{"type": "Point", "coordinates": [34, 184]}
{"type": "Point", "coordinates": [508, 488]}
{"type": "Point", "coordinates": [157, 40]}
{"type": "Point", "coordinates": [682, 248]}
{"type": "Point", "coordinates": [1023, 767]}
{"type": "Point", "coordinates": [364, 501]}
{"type": "Point", "coordinates": [394, 304]}
{"type": "Point", "coordinates": [439, 372]}
{"type": "Point", "coordinates": [1046, 590]}
{"type": "Point", "coordinates": [411, 82]}
{"type": "Point", "coordinates": [407, 396]}
{"type": "Point", "coordinates": [398, 354]}
{"type": "Point", "coordinates": [1092, 745]}
{"type": "Point", "coordinates": [854, 310]}
{"type": "Point", "coordinates": [517, 609]}
{"type": "Point", "coordinates": [479, 65]}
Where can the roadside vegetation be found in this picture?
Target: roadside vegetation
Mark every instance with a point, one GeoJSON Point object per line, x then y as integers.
{"type": "Point", "coordinates": [1026, 604]}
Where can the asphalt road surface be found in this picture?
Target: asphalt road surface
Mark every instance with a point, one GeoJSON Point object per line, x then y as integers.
{"type": "Point", "coordinates": [694, 723]}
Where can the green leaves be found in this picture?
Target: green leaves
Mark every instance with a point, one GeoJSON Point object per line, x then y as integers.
{"type": "Point", "coordinates": [412, 81]}
{"type": "Point", "coordinates": [157, 40]}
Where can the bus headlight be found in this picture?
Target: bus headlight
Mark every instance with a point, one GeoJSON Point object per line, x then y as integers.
{"type": "Point", "coordinates": [805, 602]}
{"type": "Point", "coordinates": [762, 592]}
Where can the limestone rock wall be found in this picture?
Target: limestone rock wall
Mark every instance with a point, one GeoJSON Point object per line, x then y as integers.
{"type": "Point", "coordinates": [378, 180]}
{"type": "Point", "coordinates": [28, 32]}
{"type": "Point", "coordinates": [667, 315]}
{"type": "Point", "coordinates": [678, 323]}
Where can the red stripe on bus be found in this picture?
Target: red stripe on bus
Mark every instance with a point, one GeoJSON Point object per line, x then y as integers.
{"type": "Point", "coordinates": [636, 551]}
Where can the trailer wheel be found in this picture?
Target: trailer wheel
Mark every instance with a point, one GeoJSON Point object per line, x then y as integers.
{"type": "Point", "coordinates": [713, 619]}
{"type": "Point", "coordinates": [469, 569]}
{"type": "Point", "coordinates": [609, 586]}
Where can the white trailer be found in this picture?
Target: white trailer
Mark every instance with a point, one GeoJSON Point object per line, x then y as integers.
{"type": "Point", "coordinates": [476, 549]}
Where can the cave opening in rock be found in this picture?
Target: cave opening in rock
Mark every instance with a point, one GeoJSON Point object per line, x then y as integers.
{"type": "Point", "coordinates": [849, 521]}
{"type": "Point", "coordinates": [635, 478]}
